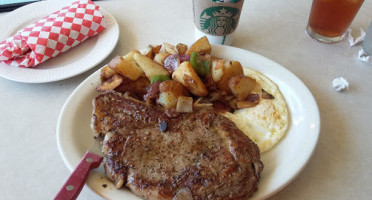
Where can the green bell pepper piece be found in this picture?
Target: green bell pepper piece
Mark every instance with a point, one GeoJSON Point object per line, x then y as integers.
{"type": "Point", "coordinates": [160, 78]}
{"type": "Point", "coordinates": [201, 68]}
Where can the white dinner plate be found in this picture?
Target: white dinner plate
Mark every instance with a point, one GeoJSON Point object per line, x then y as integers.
{"type": "Point", "coordinates": [68, 64]}
{"type": "Point", "coordinates": [282, 163]}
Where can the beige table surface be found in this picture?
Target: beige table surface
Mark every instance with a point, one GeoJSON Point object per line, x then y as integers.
{"type": "Point", "coordinates": [341, 164]}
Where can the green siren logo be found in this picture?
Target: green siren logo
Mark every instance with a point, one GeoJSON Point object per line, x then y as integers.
{"type": "Point", "coordinates": [219, 20]}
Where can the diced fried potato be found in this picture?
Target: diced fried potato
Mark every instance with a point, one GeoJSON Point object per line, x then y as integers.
{"type": "Point", "coordinates": [147, 52]}
{"type": "Point", "coordinates": [231, 68]}
{"type": "Point", "coordinates": [126, 67]}
{"type": "Point", "coordinates": [186, 75]}
{"type": "Point", "coordinates": [251, 101]}
{"type": "Point", "coordinates": [155, 49]}
{"type": "Point", "coordinates": [217, 69]}
{"type": "Point", "coordinates": [110, 83]}
{"type": "Point", "coordinates": [200, 46]}
{"type": "Point", "coordinates": [170, 48]}
{"type": "Point", "coordinates": [149, 66]}
{"type": "Point", "coordinates": [169, 92]}
{"type": "Point", "coordinates": [106, 73]}
{"type": "Point", "coordinates": [241, 86]}
{"type": "Point", "coordinates": [160, 57]}
{"type": "Point", "coordinates": [173, 86]}
{"type": "Point", "coordinates": [167, 100]}
{"type": "Point", "coordinates": [184, 104]}
{"type": "Point", "coordinates": [136, 88]}
{"type": "Point", "coordinates": [181, 48]}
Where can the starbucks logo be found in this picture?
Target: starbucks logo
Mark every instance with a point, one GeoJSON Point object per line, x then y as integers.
{"type": "Point", "coordinates": [219, 20]}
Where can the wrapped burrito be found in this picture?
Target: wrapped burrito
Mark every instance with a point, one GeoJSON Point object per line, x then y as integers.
{"type": "Point", "coordinates": [52, 35]}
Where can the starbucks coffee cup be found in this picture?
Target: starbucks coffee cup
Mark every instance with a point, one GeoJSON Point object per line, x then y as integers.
{"type": "Point", "coordinates": [216, 19]}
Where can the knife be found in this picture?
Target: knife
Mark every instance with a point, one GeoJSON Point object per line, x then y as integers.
{"type": "Point", "coordinates": [75, 183]}
{"type": "Point", "coordinates": [367, 42]}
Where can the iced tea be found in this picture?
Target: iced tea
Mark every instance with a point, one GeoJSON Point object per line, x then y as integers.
{"type": "Point", "coordinates": [331, 18]}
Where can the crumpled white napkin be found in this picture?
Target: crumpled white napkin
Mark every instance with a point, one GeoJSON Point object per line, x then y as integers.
{"type": "Point", "coordinates": [340, 84]}
{"type": "Point", "coordinates": [357, 40]}
{"type": "Point", "coordinates": [362, 56]}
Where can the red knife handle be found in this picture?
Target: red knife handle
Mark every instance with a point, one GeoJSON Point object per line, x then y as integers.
{"type": "Point", "coordinates": [76, 181]}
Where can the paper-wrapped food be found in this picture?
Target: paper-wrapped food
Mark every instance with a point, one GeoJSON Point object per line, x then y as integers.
{"type": "Point", "coordinates": [52, 35]}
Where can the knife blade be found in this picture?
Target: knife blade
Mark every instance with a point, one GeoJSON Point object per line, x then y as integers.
{"type": "Point", "coordinates": [75, 183]}
{"type": "Point", "coordinates": [367, 42]}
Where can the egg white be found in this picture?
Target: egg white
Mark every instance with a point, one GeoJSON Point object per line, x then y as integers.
{"type": "Point", "coordinates": [266, 123]}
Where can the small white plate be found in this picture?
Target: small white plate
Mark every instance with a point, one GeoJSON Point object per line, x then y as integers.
{"type": "Point", "coordinates": [71, 63]}
{"type": "Point", "coordinates": [282, 163]}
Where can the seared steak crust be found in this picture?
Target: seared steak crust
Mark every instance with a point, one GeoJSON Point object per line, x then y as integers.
{"type": "Point", "coordinates": [202, 152]}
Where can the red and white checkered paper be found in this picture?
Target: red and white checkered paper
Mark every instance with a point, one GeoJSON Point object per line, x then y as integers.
{"type": "Point", "coordinates": [52, 35]}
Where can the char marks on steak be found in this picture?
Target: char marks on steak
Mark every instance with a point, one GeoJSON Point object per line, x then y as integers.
{"type": "Point", "coordinates": [201, 152]}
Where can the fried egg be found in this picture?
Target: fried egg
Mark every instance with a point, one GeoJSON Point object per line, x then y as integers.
{"type": "Point", "coordinates": [266, 123]}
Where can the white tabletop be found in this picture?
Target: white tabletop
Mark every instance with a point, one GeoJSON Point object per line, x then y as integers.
{"type": "Point", "coordinates": [340, 166]}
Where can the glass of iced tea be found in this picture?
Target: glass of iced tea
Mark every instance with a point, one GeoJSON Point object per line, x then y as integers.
{"type": "Point", "coordinates": [330, 19]}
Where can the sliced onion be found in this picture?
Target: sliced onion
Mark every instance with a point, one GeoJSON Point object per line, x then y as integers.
{"type": "Point", "coordinates": [184, 57]}
{"type": "Point", "coordinates": [152, 91]}
{"type": "Point", "coordinates": [245, 104]}
{"type": "Point", "coordinates": [200, 103]}
{"type": "Point", "coordinates": [171, 62]}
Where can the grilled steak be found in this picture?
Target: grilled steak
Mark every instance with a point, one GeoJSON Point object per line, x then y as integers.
{"type": "Point", "coordinates": [200, 154]}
